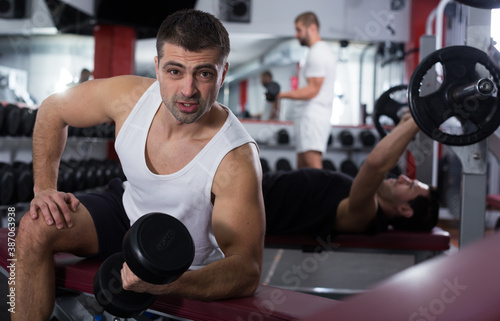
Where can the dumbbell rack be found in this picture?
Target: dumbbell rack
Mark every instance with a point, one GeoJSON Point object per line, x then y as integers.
{"type": "Point", "coordinates": [18, 148]}
{"type": "Point", "coordinates": [338, 153]}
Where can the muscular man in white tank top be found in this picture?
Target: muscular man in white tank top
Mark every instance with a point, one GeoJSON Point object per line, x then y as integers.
{"type": "Point", "coordinates": [182, 134]}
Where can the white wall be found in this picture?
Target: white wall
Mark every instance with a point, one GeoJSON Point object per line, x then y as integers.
{"type": "Point", "coordinates": [360, 20]}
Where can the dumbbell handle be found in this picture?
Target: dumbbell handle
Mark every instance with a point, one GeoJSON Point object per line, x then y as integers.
{"type": "Point", "coordinates": [483, 88]}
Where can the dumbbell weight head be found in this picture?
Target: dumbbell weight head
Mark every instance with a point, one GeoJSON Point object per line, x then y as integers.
{"type": "Point", "coordinates": [346, 138]}
{"type": "Point", "coordinates": [66, 179]}
{"type": "Point", "coordinates": [367, 138]}
{"type": "Point", "coordinates": [158, 249]}
{"type": "Point", "coordinates": [28, 118]}
{"type": "Point", "coordinates": [23, 175]}
{"type": "Point", "coordinates": [12, 120]}
{"type": "Point", "coordinates": [283, 137]}
{"type": "Point", "coordinates": [283, 164]}
{"type": "Point", "coordinates": [349, 167]}
{"type": "Point", "coordinates": [109, 292]}
{"type": "Point", "coordinates": [328, 165]}
{"type": "Point", "coordinates": [7, 184]}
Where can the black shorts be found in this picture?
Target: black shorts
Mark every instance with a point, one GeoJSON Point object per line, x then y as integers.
{"type": "Point", "coordinates": [110, 220]}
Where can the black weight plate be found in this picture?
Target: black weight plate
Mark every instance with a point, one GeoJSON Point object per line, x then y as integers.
{"type": "Point", "coordinates": [109, 292]}
{"type": "Point", "coordinates": [479, 118]}
{"type": "Point", "coordinates": [387, 106]}
{"type": "Point", "coordinates": [158, 248]}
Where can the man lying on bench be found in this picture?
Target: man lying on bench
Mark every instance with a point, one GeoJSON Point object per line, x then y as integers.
{"type": "Point", "coordinates": [317, 203]}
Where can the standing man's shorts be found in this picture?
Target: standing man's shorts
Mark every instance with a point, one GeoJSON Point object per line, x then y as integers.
{"type": "Point", "coordinates": [311, 133]}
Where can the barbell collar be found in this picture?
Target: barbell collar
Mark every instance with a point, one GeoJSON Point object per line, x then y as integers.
{"type": "Point", "coordinates": [482, 88]}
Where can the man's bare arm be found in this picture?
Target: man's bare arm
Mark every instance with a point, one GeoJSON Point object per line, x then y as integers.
{"type": "Point", "coordinates": [310, 91]}
{"type": "Point", "coordinates": [91, 103]}
{"type": "Point", "coordinates": [239, 227]}
{"type": "Point", "coordinates": [355, 213]}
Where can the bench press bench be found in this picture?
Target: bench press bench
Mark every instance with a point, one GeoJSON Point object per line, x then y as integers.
{"type": "Point", "coordinates": [422, 245]}
{"type": "Point", "coordinates": [463, 286]}
{"type": "Point", "coordinates": [269, 303]}
{"type": "Point", "coordinates": [493, 200]}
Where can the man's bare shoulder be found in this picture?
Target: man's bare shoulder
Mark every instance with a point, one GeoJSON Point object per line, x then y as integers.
{"type": "Point", "coordinates": [123, 93]}
{"type": "Point", "coordinates": [131, 84]}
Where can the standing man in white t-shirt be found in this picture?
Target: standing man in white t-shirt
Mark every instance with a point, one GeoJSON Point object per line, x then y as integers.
{"type": "Point", "coordinates": [314, 95]}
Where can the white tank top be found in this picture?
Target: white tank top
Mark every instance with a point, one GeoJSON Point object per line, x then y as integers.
{"type": "Point", "coordinates": [185, 194]}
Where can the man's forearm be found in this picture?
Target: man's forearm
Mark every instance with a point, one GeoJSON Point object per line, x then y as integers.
{"type": "Point", "coordinates": [49, 139]}
{"type": "Point", "coordinates": [388, 151]}
{"type": "Point", "coordinates": [303, 93]}
{"type": "Point", "coordinates": [227, 278]}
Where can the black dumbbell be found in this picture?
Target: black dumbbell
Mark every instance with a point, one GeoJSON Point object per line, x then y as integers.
{"type": "Point", "coordinates": [23, 180]}
{"type": "Point", "coordinates": [100, 173]}
{"type": "Point", "coordinates": [348, 167]}
{"type": "Point", "coordinates": [66, 178]}
{"type": "Point", "coordinates": [283, 164]}
{"type": "Point", "coordinates": [329, 165]}
{"type": "Point", "coordinates": [90, 171]}
{"type": "Point", "coordinates": [158, 249]}
{"type": "Point", "coordinates": [6, 184]}
{"type": "Point", "coordinates": [12, 120]}
{"type": "Point", "coordinates": [346, 138]}
{"type": "Point", "coordinates": [283, 137]}
{"type": "Point", "coordinates": [28, 118]}
{"type": "Point", "coordinates": [367, 138]}
{"type": "Point", "coordinates": [79, 174]}
{"type": "Point", "coordinates": [265, 165]}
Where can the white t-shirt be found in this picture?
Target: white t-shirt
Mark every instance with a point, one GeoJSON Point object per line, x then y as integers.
{"type": "Point", "coordinates": [319, 63]}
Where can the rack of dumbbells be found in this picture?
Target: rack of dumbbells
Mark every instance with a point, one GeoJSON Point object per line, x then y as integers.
{"type": "Point", "coordinates": [84, 165]}
{"type": "Point", "coordinates": [347, 148]}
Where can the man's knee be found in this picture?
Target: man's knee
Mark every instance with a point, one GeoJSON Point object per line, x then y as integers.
{"type": "Point", "coordinates": [34, 234]}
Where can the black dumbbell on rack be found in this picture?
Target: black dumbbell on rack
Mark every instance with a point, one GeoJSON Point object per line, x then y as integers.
{"type": "Point", "coordinates": [23, 179]}
{"type": "Point", "coordinates": [11, 120]}
{"type": "Point", "coordinates": [6, 184]}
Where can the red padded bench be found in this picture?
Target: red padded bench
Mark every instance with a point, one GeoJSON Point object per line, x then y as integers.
{"type": "Point", "coordinates": [493, 200]}
{"type": "Point", "coordinates": [421, 244]}
{"type": "Point", "coordinates": [269, 303]}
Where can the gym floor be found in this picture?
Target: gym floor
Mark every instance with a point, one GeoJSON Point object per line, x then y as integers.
{"type": "Point", "coordinates": [331, 274]}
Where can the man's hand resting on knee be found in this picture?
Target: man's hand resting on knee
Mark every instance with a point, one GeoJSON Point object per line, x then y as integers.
{"type": "Point", "coordinates": [55, 206]}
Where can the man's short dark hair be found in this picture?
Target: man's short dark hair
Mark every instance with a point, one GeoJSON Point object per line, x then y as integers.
{"type": "Point", "coordinates": [425, 213]}
{"type": "Point", "coordinates": [193, 30]}
{"type": "Point", "coordinates": [267, 73]}
{"type": "Point", "coordinates": [308, 18]}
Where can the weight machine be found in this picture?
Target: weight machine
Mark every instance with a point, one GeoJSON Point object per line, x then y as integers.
{"type": "Point", "coordinates": [455, 85]}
